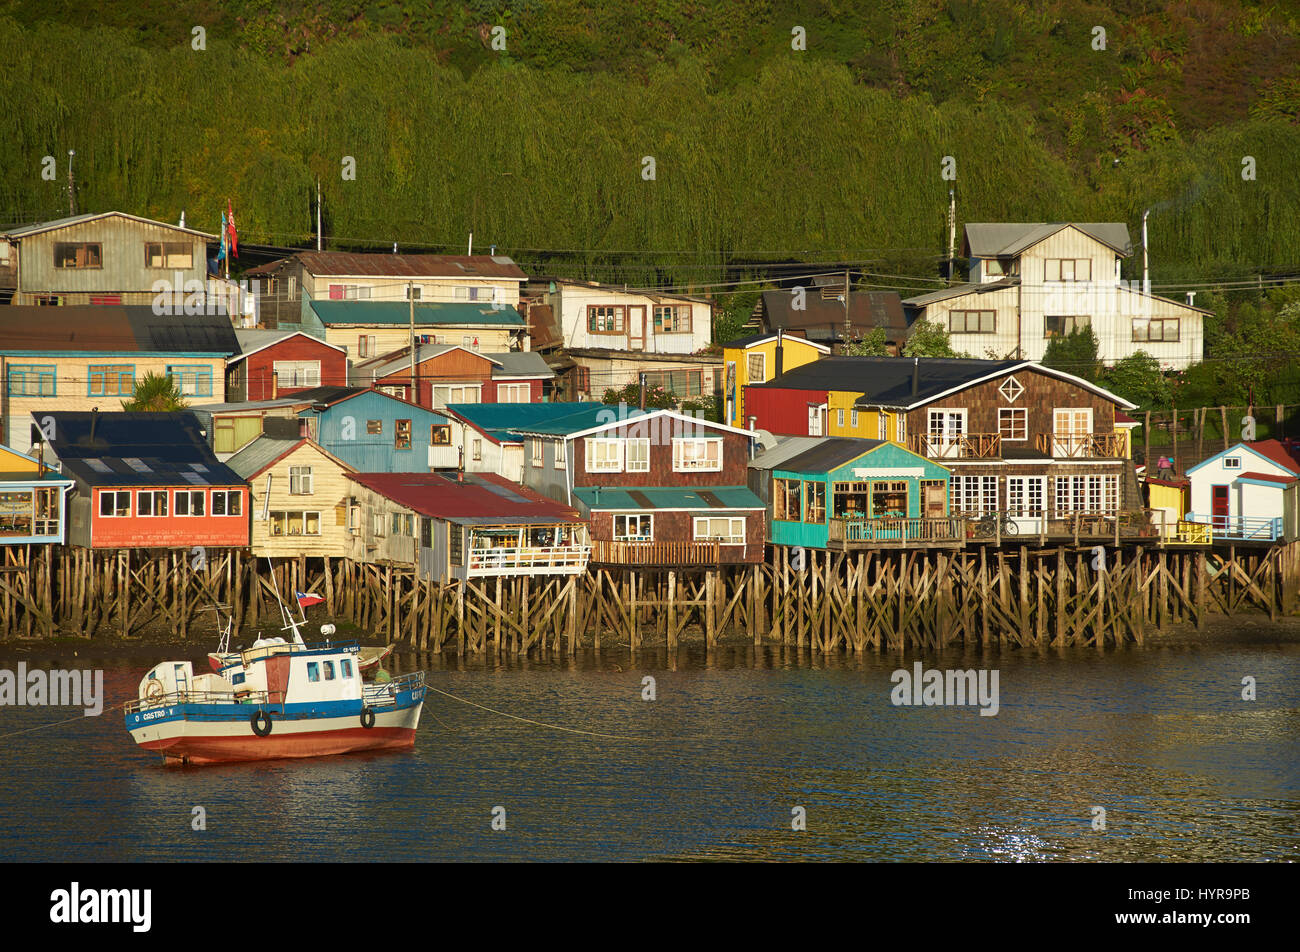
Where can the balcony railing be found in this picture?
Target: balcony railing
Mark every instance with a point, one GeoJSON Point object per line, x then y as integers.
{"type": "Point", "coordinates": [897, 531]}
{"type": "Point", "coordinates": [1082, 446]}
{"type": "Point", "coordinates": [667, 553]}
{"type": "Point", "coordinates": [529, 560]}
{"type": "Point", "coordinates": [957, 445]}
{"type": "Point", "coordinates": [1240, 528]}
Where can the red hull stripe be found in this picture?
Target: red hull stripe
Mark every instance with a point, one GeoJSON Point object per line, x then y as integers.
{"type": "Point", "coordinates": [220, 750]}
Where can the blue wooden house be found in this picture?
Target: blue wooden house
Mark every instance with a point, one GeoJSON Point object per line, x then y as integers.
{"type": "Point", "coordinates": [374, 432]}
{"type": "Point", "coordinates": [842, 493]}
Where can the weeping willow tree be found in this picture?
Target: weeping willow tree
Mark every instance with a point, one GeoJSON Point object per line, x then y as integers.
{"type": "Point", "coordinates": [654, 177]}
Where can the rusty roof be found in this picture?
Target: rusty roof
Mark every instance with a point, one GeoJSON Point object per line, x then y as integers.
{"type": "Point", "coordinates": [111, 329]}
{"type": "Point", "coordinates": [481, 496]}
{"type": "Point", "coordinates": [346, 263]}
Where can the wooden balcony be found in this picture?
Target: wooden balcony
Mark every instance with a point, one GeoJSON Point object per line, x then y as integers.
{"type": "Point", "coordinates": [672, 553]}
{"type": "Point", "coordinates": [957, 446]}
{"type": "Point", "coordinates": [896, 532]}
{"type": "Point", "coordinates": [528, 560]}
{"type": "Point", "coordinates": [1085, 446]}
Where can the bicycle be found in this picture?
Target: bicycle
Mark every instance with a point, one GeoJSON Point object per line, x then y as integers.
{"type": "Point", "coordinates": [987, 526]}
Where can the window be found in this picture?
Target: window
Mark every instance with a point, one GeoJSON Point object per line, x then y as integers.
{"type": "Point", "coordinates": [234, 433]}
{"type": "Point", "coordinates": [227, 502]}
{"type": "Point", "coordinates": [402, 435]}
{"type": "Point", "coordinates": [1026, 495]}
{"type": "Point", "coordinates": [604, 456]}
{"type": "Point", "coordinates": [1232, 462]}
{"type": "Point", "coordinates": [1013, 423]}
{"type": "Point", "coordinates": [443, 395]}
{"type": "Point", "coordinates": [757, 368]}
{"type": "Point", "coordinates": [945, 431]}
{"type": "Point", "coordinates": [815, 420]}
{"type": "Point", "coordinates": [377, 525]}
{"type": "Point", "coordinates": [440, 434]}
{"type": "Point", "coordinates": [151, 503]}
{"type": "Point", "coordinates": [173, 255]}
{"type": "Point", "coordinates": [74, 255]}
{"type": "Point", "coordinates": [697, 455]}
{"type": "Point", "coordinates": [882, 425]}
{"type": "Point", "coordinates": [375, 427]}
{"type": "Point", "coordinates": [345, 669]}
{"type": "Point", "coordinates": [513, 392]}
{"type": "Point", "coordinates": [683, 383]}
{"type": "Point", "coordinates": [1156, 329]}
{"type": "Point", "coordinates": [889, 499]}
{"type": "Point", "coordinates": [313, 671]}
{"type": "Point", "coordinates": [415, 293]}
{"type": "Point", "coordinates": [673, 319]}
{"type": "Point", "coordinates": [1086, 494]}
{"type": "Point", "coordinates": [114, 503]}
{"type": "Point", "coordinates": [561, 454]}
{"type": "Point", "coordinates": [900, 428]}
{"type": "Point", "coordinates": [366, 345]}
{"type": "Point", "coordinates": [786, 496]}
{"type": "Point", "coordinates": [1068, 269]}
{"type": "Point", "coordinates": [193, 381]}
{"type": "Point", "coordinates": [853, 418]}
{"type": "Point", "coordinates": [111, 380]}
{"type": "Point", "coordinates": [403, 524]}
{"type": "Point", "coordinates": [1011, 389]}
{"type": "Point", "coordinates": [456, 544]}
{"type": "Point", "coordinates": [476, 448]}
{"type": "Point", "coordinates": [839, 418]}
{"type": "Point", "coordinates": [300, 481]}
{"type": "Point", "coordinates": [814, 497]}
{"type": "Point", "coordinates": [637, 528]}
{"type": "Point", "coordinates": [638, 455]}
{"type": "Point", "coordinates": [189, 502]}
{"type": "Point", "coordinates": [32, 380]}
{"type": "Point", "coordinates": [729, 530]}
{"type": "Point", "coordinates": [49, 300]}
{"type": "Point", "coordinates": [297, 523]}
{"type": "Point", "coordinates": [538, 453]}
{"type": "Point", "coordinates": [1071, 427]}
{"type": "Point", "coordinates": [1061, 326]}
{"type": "Point", "coordinates": [604, 319]}
{"type": "Point", "coordinates": [296, 374]}
{"type": "Point", "coordinates": [972, 322]}
{"type": "Point", "coordinates": [329, 670]}
{"type": "Point", "coordinates": [973, 494]}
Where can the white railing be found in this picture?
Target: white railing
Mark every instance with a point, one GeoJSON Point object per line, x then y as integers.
{"type": "Point", "coordinates": [1242, 528]}
{"type": "Point", "coordinates": [529, 560]}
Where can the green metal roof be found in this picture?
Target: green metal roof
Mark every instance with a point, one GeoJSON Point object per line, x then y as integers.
{"type": "Point", "coordinates": [590, 414]}
{"type": "Point", "coordinates": [659, 497]}
{"type": "Point", "coordinates": [500, 420]}
{"type": "Point", "coordinates": [433, 313]}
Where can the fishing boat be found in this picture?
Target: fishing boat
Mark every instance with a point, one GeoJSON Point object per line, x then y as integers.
{"type": "Point", "coordinates": [278, 698]}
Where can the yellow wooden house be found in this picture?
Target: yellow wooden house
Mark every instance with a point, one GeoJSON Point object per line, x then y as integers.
{"type": "Point", "coordinates": [759, 359]}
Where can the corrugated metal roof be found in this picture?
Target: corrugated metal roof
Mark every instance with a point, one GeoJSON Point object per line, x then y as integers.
{"type": "Point", "coordinates": [868, 310]}
{"type": "Point", "coordinates": [499, 420]}
{"type": "Point", "coordinates": [327, 395]}
{"type": "Point", "coordinates": [113, 329]}
{"type": "Point", "coordinates": [583, 417]}
{"type": "Point", "coordinates": [957, 290]}
{"type": "Point", "coordinates": [521, 363]}
{"type": "Point", "coordinates": [427, 313]}
{"type": "Point", "coordinates": [788, 448]}
{"type": "Point", "coordinates": [167, 449]}
{"type": "Point", "coordinates": [829, 453]}
{"type": "Point", "coordinates": [259, 454]}
{"type": "Point", "coordinates": [24, 231]}
{"type": "Point", "coordinates": [1000, 239]}
{"type": "Point", "coordinates": [346, 264]}
{"type": "Point", "coordinates": [887, 381]}
{"type": "Point", "coordinates": [659, 497]}
{"type": "Point", "coordinates": [1277, 453]}
{"type": "Point", "coordinates": [483, 496]}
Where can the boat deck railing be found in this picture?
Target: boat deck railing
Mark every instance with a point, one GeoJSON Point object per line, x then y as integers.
{"type": "Point", "coordinates": [197, 697]}
{"type": "Point", "coordinates": [265, 651]}
{"type": "Point", "coordinates": [384, 693]}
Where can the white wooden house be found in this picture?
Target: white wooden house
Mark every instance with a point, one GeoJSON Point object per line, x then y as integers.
{"type": "Point", "coordinates": [1032, 282]}
{"type": "Point", "coordinates": [1248, 493]}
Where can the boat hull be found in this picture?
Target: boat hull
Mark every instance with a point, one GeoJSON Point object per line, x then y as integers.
{"type": "Point", "coordinates": [188, 737]}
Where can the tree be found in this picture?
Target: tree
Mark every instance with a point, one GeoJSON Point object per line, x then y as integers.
{"type": "Point", "coordinates": [871, 345]}
{"type": "Point", "coordinates": [656, 397]}
{"type": "Point", "coordinates": [1139, 379]}
{"type": "Point", "coordinates": [928, 339]}
{"type": "Point", "coordinates": [1075, 353]}
{"type": "Point", "coordinates": [155, 393]}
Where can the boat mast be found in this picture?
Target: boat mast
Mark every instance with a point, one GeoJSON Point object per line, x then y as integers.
{"type": "Point", "coordinates": [290, 623]}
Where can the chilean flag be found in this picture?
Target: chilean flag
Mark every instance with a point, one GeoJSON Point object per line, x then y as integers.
{"type": "Point", "coordinates": [306, 599]}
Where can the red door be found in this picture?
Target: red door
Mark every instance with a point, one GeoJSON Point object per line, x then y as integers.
{"type": "Point", "coordinates": [1219, 505]}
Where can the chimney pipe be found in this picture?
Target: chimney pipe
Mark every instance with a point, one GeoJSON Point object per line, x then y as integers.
{"type": "Point", "coordinates": [916, 374]}
{"type": "Point", "coordinates": [1146, 272]}
{"type": "Point", "coordinates": [780, 353]}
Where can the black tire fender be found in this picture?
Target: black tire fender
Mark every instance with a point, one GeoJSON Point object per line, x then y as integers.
{"type": "Point", "coordinates": [261, 723]}
{"type": "Point", "coordinates": [367, 718]}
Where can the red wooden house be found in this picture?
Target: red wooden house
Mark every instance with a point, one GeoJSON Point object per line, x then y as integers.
{"type": "Point", "coordinates": [657, 488]}
{"type": "Point", "coordinates": [450, 374]}
{"type": "Point", "coordinates": [146, 480]}
{"type": "Point", "coordinates": [280, 363]}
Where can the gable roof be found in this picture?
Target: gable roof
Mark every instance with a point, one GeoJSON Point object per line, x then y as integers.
{"type": "Point", "coordinates": [604, 498]}
{"type": "Point", "coordinates": [114, 329]}
{"type": "Point", "coordinates": [400, 359]}
{"type": "Point", "coordinates": [254, 339]}
{"type": "Point", "coordinates": [326, 395]}
{"type": "Point", "coordinates": [958, 290]}
{"type": "Point", "coordinates": [357, 392]}
{"type": "Point", "coordinates": [830, 453]}
{"type": "Point", "coordinates": [520, 363]}
{"type": "Point", "coordinates": [427, 313]}
{"type": "Point", "coordinates": [824, 320]}
{"type": "Point", "coordinates": [741, 343]}
{"type": "Point", "coordinates": [888, 381]}
{"type": "Point", "coordinates": [480, 498]}
{"type": "Point", "coordinates": [265, 451]}
{"type": "Point", "coordinates": [130, 449]}
{"type": "Point", "coordinates": [500, 421]}
{"type": "Point", "coordinates": [651, 293]}
{"type": "Point", "coordinates": [584, 422]}
{"type": "Point", "coordinates": [1001, 239]}
{"type": "Point", "coordinates": [345, 264]}
{"type": "Point", "coordinates": [787, 447]}
{"type": "Point", "coordinates": [25, 231]}
{"type": "Point", "coordinates": [1269, 450]}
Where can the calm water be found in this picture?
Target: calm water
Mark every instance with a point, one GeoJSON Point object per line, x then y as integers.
{"type": "Point", "coordinates": [712, 768]}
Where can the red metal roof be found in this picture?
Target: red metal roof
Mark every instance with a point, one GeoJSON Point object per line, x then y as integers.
{"type": "Point", "coordinates": [1269, 478]}
{"type": "Point", "coordinates": [1123, 418]}
{"type": "Point", "coordinates": [410, 266]}
{"type": "Point", "coordinates": [1276, 452]}
{"type": "Point", "coordinates": [480, 495]}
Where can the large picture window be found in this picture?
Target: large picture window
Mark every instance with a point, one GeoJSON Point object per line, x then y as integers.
{"type": "Point", "coordinates": [972, 322]}
{"type": "Point", "coordinates": [1068, 269]}
{"type": "Point", "coordinates": [697, 455]}
{"type": "Point", "coordinates": [672, 319]}
{"type": "Point", "coordinates": [172, 255]}
{"type": "Point", "coordinates": [634, 528]}
{"type": "Point", "coordinates": [605, 319]}
{"type": "Point", "coordinates": [787, 497]}
{"type": "Point", "coordinates": [111, 380]}
{"type": "Point", "coordinates": [604, 456]}
{"type": "Point", "coordinates": [1156, 330]}
{"type": "Point", "coordinates": [77, 255]}
{"type": "Point", "coordinates": [32, 380]}
{"type": "Point", "coordinates": [728, 530]}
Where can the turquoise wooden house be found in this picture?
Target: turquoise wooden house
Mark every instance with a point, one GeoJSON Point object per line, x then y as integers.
{"type": "Point", "coordinates": [840, 493]}
{"type": "Point", "coordinates": [374, 432]}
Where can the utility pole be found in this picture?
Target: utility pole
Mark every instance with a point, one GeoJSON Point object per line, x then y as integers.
{"type": "Point", "coordinates": [318, 232]}
{"type": "Point", "coordinates": [641, 379]}
{"type": "Point", "coordinates": [847, 325]}
{"type": "Point", "coordinates": [410, 297]}
{"type": "Point", "coordinates": [72, 187]}
{"type": "Point", "coordinates": [952, 230]}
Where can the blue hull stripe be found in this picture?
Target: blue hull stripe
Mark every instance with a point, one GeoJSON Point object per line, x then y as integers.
{"type": "Point", "coordinates": [242, 712]}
